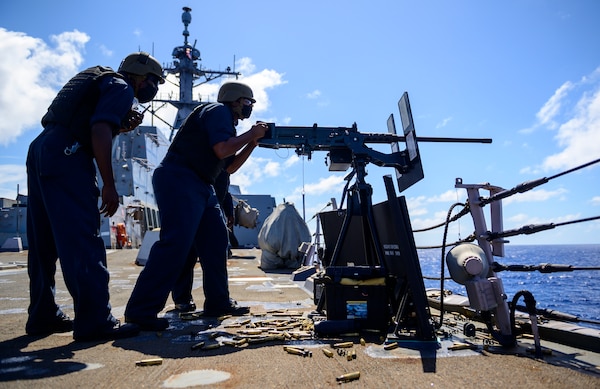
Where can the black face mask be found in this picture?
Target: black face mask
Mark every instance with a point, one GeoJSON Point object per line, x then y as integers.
{"type": "Point", "coordinates": [246, 111]}
{"type": "Point", "coordinates": [147, 92]}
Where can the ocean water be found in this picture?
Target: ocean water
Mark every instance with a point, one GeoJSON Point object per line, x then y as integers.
{"type": "Point", "coordinates": [576, 292]}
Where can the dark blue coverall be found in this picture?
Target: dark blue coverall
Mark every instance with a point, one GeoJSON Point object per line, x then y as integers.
{"type": "Point", "coordinates": [191, 217]}
{"type": "Point", "coordinates": [63, 219]}
{"type": "Point", "coordinates": [182, 290]}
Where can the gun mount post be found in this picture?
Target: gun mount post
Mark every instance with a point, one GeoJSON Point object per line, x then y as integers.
{"type": "Point", "coordinates": [360, 204]}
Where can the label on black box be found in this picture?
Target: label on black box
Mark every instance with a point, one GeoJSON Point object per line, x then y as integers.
{"type": "Point", "coordinates": [356, 309]}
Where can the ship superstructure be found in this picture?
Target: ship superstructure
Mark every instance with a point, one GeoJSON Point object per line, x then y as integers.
{"type": "Point", "coordinates": [136, 154]}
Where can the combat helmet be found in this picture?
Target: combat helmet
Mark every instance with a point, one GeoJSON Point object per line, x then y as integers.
{"type": "Point", "coordinates": [142, 63]}
{"type": "Point", "coordinates": [231, 91]}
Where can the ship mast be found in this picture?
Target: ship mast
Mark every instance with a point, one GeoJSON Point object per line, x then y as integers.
{"type": "Point", "coordinates": [186, 67]}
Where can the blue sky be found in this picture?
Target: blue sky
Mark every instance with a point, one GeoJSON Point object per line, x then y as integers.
{"type": "Point", "coordinates": [524, 73]}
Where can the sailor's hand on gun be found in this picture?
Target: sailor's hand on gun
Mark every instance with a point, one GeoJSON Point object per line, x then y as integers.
{"type": "Point", "coordinates": [133, 119]}
{"type": "Point", "coordinates": [259, 129]}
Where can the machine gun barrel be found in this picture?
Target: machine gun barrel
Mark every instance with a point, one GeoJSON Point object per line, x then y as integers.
{"type": "Point", "coordinates": [451, 140]}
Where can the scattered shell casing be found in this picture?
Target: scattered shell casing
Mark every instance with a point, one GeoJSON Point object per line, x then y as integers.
{"type": "Point", "coordinates": [390, 346]}
{"type": "Point", "coordinates": [294, 351]}
{"type": "Point", "coordinates": [461, 346]}
{"type": "Point", "coordinates": [211, 346]}
{"type": "Point", "coordinates": [343, 345]}
{"type": "Point", "coordinates": [328, 352]}
{"type": "Point", "coordinates": [189, 315]}
{"type": "Point", "coordinates": [348, 377]}
{"type": "Point", "coordinates": [297, 351]}
{"type": "Point", "coordinates": [251, 332]}
{"type": "Point", "coordinates": [149, 362]}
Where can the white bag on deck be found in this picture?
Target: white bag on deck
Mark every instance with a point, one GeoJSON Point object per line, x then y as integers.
{"type": "Point", "coordinates": [280, 236]}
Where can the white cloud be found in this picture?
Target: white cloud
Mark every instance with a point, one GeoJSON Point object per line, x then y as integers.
{"type": "Point", "coordinates": [523, 219]}
{"type": "Point", "coordinates": [291, 161]}
{"type": "Point", "coordinates": [579, 136]}
{"type": "Point", "coordinates": [31, 75]}
{"type": "Point", "coordinates": [535, 196]}
{"type": "Point", "coordinates": [272, 169]}
{"type": "Point", "coordinates": [577, 127]}
{"type": "Point", "coordinates": [254, 171]}
{"type": "Point", "coordinates": [448, 196]}
{"type": "Point", "coordinates": [259, 82]}
{"type": "Point", "coordinates": [331, 185]}
{"type": "Point", "coordinates": [314, 94]}
{"type": "Point", "coordinates": [416, 206]}
{"type": "Point", "coordinates": [105, 51]}
{"type": "Point", "coordinates": [443, 123]}
{"type": "Point", "coordinates": [549, 111]}
{"type": "Point", "coordinates": [10, 176]}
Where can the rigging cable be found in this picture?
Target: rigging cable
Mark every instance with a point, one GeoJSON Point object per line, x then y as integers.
{"type": "Point", "coordinates": [533, 228]}
{"type": "Point", "coordinates": [442, 268]}
{"type": "Point", "coordinates": [528, 185]}
{"type": "Point", "coordinates": [542, 268]}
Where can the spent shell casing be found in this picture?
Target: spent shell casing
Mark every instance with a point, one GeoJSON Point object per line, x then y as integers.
{"type": "Point", "coordinates": [149, 362]}
{"type": "Point", "coordinates": [328, 352]}
{"type": "Point", "coordinates": [348, 377]}
{"type": "Point", "coordinates": [197, 346]}
{"type": "Point", "coordinates": [390, 346]}
{"type": "Point", "coordinates": [305, 352]}
{"type": "Point", "coordinates": [343, 345]}
{"type": "Point", "coordinates": [296, 351]}
{"type": "Point", "coordinates": [351, 355]}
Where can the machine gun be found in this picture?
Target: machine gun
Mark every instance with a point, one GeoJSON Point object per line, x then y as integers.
{"type": "Point", "coordinates": [348, 147]}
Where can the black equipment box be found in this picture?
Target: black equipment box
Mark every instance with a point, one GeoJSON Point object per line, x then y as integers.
{"type": "Point", "coordinates": [356, 293]}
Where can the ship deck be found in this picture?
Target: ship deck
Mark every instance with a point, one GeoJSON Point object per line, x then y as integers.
{"type": "Point", "coordinates": [244, 359]}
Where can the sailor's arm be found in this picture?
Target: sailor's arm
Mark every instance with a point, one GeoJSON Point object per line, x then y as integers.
{"type": "Point", "coordinates": [241, 157]}
{"type": "Point", "coordinates": [101, 147]}
{"type": "Point", "coordinates": [232, 145]}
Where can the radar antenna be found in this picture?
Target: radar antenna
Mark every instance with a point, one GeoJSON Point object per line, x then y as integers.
{"type": "Point", "coordinates": [185, 65]}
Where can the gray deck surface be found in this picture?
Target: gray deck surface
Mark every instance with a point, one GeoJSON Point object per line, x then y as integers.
{"type": "Point", "coordinates": [57, 362]}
